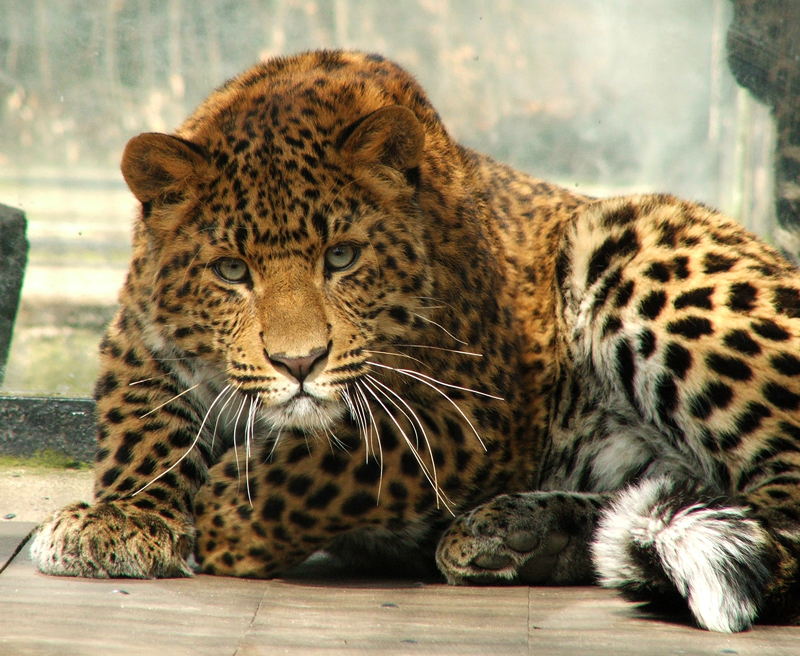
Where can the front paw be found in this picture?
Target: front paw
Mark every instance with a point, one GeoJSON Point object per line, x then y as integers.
{"type": "Point", "coordinates": [112, 539]}
{"type": "Point", "coordinates": [533, 538]}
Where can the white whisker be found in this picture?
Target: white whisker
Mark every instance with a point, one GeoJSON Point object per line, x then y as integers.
{"type": "Point", "coordinates": [381, 387]}
{"type": "Point", "coordinates": [177, 396]}
{"type": "Point", "coordinates": [430, 478]}
{"type": "Point", "coordinates": [416, 376]}
{"type": "Point", "coordinates": [434, 299]}
{"type": "Point", "coordinates": [145, 380]}
{"type": "Point", "coordinates": [233, 390]}
{"type": "Point", "coordinates": [397, 355]}
{"type": "Point", "coordinates": [410, 372]}
{"type": "Point", "coordinates": [333, 440]}
{"type": "Point", "coordinates": [414, 414]}
{"type": "Point", "coordinates": [235, 426]}
{"type": "Point", "coordinates": [274, 445]}
{"type": "Point", "coordinates": [376, 436]}
{"type": "Point", "coordinates": [250, 426]}
{"type": "Point", "coordinates": [345, 394]}
{"type": "Point", "coordinates": [372, 432]}
{"type": "Point", "coordinates": [439, 348]}
{"type": "Point", "coordinates": [358, 418]}
{"type": "Point", "coordinates": [438, 325]}
{"type": "Point", "coordinates": [191, 446]}
{"type": "Point", "coordinates": [249, 434]}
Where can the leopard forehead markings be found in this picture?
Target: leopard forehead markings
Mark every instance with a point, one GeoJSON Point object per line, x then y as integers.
{"type": "Point", "coordinates": [340, 326]}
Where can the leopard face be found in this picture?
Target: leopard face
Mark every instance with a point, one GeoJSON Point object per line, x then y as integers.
{"type": "Point", "coordinates": [284, 253]}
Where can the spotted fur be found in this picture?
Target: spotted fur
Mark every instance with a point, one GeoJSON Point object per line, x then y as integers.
{"type": "Point", "coordinates": [341, 330]}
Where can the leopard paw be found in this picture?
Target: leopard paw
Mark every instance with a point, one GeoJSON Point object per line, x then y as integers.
{"type": "Point", "coordinates": [110, 540]}
{"type": "Point", "coordinates": [532, 538]}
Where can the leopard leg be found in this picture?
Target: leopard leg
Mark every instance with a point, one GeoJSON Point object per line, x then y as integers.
{"type": "Point", "coordinates": [262, 517]}
{"type": "Point", "coordinates": [151, 459]}
{"type": "Point", "coordinates": [535, 538]}
{"type": "Point", "coordinates": [113, 539]}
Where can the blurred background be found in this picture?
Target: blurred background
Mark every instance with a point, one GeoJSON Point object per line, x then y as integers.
{"type": "Point", "coordinates": [609, 97]}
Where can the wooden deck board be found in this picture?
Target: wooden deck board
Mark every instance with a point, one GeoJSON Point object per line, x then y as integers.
{"type": "Point", "coordinates": [10, 535]}
{"type": "Point", "coordinates": [390, 619]}
{"type": "Point", "coordinates": [41, 615]}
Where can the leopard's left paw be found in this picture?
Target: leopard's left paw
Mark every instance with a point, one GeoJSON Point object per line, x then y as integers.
{"type": "Point", "coordinates": [531, 538]}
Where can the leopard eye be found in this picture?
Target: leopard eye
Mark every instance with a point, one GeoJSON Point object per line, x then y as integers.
{"type": "Point", "coordinates": [231, 269]}
{"type": "Point", "coordinates": [341, 256]}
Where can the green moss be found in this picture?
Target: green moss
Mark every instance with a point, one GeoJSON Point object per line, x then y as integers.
{"type": "Point", "coordinates": [46, 459]}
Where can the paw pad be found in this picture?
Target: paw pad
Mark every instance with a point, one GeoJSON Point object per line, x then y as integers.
{"type": "Point", "coordinates": [522, 541]}
{"type": "Point", "coordinates": [492, 561]}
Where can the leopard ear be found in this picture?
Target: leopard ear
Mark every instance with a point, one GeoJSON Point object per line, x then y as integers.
{"type": "Point", "coordinates": [392, 136]}
{"type": "Point", "coordinates": [155, 164]}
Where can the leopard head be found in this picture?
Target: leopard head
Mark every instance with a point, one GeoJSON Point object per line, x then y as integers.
{"type": "Point", "coordinates": [282, 242]}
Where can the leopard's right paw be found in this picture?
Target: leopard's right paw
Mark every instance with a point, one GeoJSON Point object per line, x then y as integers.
{"type": "Point", "coordinates": [112, 539]}
{"type": "Point", "coordinates": [534, 538]}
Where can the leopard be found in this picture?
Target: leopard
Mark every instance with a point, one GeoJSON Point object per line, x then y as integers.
{"type": "Point", "coordinates": [344, 333]}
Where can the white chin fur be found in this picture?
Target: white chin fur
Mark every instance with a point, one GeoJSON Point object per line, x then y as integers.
{"type": "Point", "coordinates": [304, 414]}
{"type": "Point", "coordinates": [715, 556]}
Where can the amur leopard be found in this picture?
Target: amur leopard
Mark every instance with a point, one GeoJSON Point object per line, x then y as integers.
{"type": "Point", "coordinates": [343, 331]}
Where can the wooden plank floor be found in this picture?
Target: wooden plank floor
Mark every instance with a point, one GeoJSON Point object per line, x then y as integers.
{"type": "Point", "coordinates": [41, 615]}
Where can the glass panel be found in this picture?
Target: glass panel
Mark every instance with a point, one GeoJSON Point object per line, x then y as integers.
{"type": "Point", "coordinates": [614, 96]}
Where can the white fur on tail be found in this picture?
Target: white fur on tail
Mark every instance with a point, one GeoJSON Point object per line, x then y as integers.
{"type": "Point", "coordinates": [714, 555]}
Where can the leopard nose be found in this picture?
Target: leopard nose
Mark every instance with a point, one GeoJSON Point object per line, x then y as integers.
{"type": "Point", "coordinates": [300, 367]}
